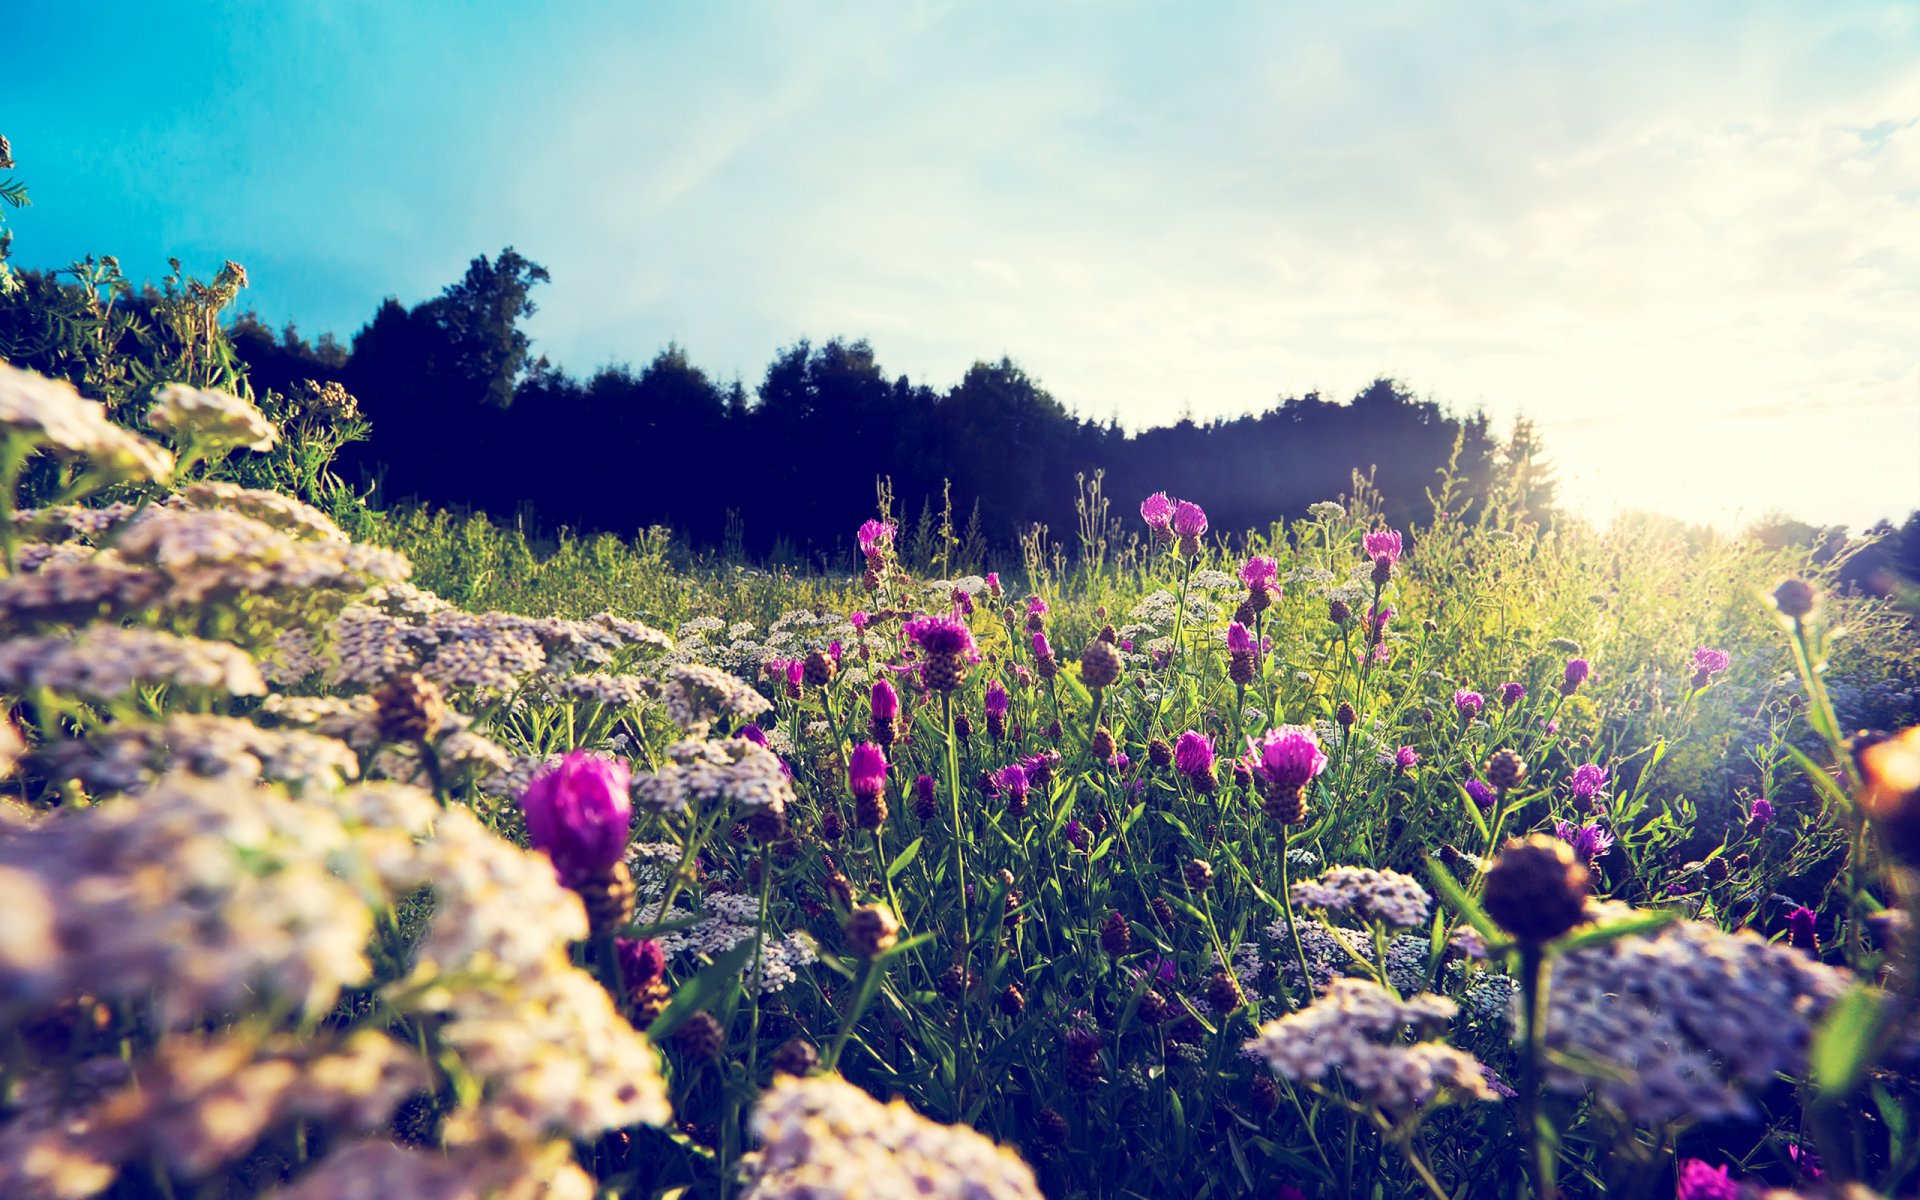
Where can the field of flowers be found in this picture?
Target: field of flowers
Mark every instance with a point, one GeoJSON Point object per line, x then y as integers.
{"type": "Point", "coordinates": [1473, 859]}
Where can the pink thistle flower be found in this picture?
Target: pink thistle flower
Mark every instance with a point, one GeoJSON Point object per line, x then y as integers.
{"type": "Point", "coordinates": [1036, 607]}
{"type": "Point", "coordinates": [1698, 1181]}
{"type": "Point", "coordinates": [1259, 572]}
{"type": "Point", "coordinates": [884, 700]}
{"type": "Point", "coordinates": [1589, 780]}
{"type": "Point", "coordinates": [1042, 648]}
{"type": "Point", "coordinates": [1013, 781]}
{"type": "Point", "coordinates": [993, 584]}
{"type": "Point", "coordinates": [1193, 753]}
{"type": "Point", "coordinates": [1378, 617]}
{"type": "Point", "coordinates": [1288, 757]}
{"type": "Point", "coordinates": [1512, 693]}
{"type": "Point", "coordinates": [1468, 704]}
{"type": "Point", "coordinates": [1589, 842]}
{"type": "Point", "coordinates": [1382, 545]}
{"type": "Point", "coordinates": [1405, 759]}
{"type": "Point", "coordinates": [876, 537]}
{"type": "Point", "coordinates": [1239, 640]}
{"type": "Point", "coordinates": [858, 620]}
{"type": "Point", "coordinates": [1577, 671]}
{"type": "Point", "coordinates": [941, 635]}
{"type": "Point", "coordinates": [1157, 511]}
{"type": "Point", "coordinates": [1482, 795]}
{"type": "Point", "coordinates": [867, 771]}
{"type": "Point", "coordinates": [643, 962]}
{"type": "Point", "coordinates": [1189, 520]}
{"type": "Point", "coordinates": [997, 699]}
{"type": "Point", "coordinates": [580, 813]}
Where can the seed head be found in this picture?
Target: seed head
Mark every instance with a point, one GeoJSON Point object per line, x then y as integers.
{"type": "Point", "coordinates": [1536, 888]}
{"type": "Point", "coordinates": [872, 930]}
{"type": "Point", "coordinates": [1795, 598]}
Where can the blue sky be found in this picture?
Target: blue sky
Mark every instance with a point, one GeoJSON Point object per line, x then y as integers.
{"type": "Point", "coordinates": [1684, 238]}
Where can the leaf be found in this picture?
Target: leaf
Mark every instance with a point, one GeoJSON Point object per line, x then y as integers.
{"type": "Point", "coordinates": [1846, 1034]}
{"type": "Point", "coordinates": [905, 857]}
{"type": "Point", "coordinates": [1456, 896]}
{"type": "Point", "coordinates": [1643, 923]}
{"type": "Point", "coordinates": [1473, 810]}
{"type": "Point", "coordinates": [700, 991]}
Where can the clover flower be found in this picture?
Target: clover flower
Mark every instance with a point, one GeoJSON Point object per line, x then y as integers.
{"type": "Point", "coordinates": [1387, 897]}
{"type": "Point", "coordinates": [1354, 1029]}
{"type": "Point", "coordinates": [821, 1138]}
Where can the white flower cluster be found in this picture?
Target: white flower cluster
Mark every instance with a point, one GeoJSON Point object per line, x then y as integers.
{"type": "Point", "coordinates": [217, 554]}
{"type": "Point", "coordinates": [1325, 954]}
{"type": "Point", "coordinates": [1215, 581]}
{"type": "Point", "coordinates": [613, 691]}
{"type": "Point", "coordinates": [105, 663]}
{"type": "Point", "coordinates": [734, 917]}
{"type": "Point", "coordinates": [696, 696]}
{"type": "Point", "coordinates": [210, 418]}
{"type": "Point", "coordinates": [292, 517]}
{"type": "Point", "coordinates": [50, 413]}
{"type": "Point", "coordinates": [377, 1169]}
{"type": "Point", "coordinates": [821, 1138]}
{"type": "Point", "coordinates": [1355, 1029]}
{"type": "Point", "coordinates": [1679, 1022]}
{"type": "Point", "coordinates": [716, 772]}
{"type": "Point", "coordinates": [1388, 897]}
{"type": "Point", "coordinates": [129, 755]}
{"type": "Point", "coordinates": [1406, 964]}
{"type": "Point", "coordinates": [1326, 510]}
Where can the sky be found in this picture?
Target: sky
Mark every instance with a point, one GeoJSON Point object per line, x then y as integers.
{"type": "Point", "coordinates": [1682, 238]}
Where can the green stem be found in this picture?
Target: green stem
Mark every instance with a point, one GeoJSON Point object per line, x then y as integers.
{"type": "Point", "coordinates": [1533, 990]}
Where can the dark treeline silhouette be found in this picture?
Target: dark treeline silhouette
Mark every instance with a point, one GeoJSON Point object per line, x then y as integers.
{"type": "Point", "coordinates": [464, 414]}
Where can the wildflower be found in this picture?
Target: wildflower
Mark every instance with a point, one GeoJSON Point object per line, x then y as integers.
{"type": "Point", "coordinates": [1708, 663]}
{"type": "Point", "coordinates": [872, 930]}
{"type": "Point", "coordinates": [1536, 888]}
{"type": "Point", "coordinates": [1468, 704]}
{"type": "Point", "coordinates": [214, 420]}
{"type": "Point", "coordinates": [1506, 770]}
{"type": "Point", "coordinates": [1076, 834]}
{"type": "Point", "coordinates": [643, 969]}
{"type": "Point", "coordinates": [106, 662]}
{"type": "Point", "coordinates": [1576, 674]}
{"type": "Point", "coordinates": [948, 647]}
{"type": "Point", "coordinates": [866, 771]}
{"type": "Point", "coordinates": [50, 413]}
{"type": "Point", "coordinates": [876, 538]}
{"type": "Point", "coordinates": [1382, 545]}
{"type": "Point", "coordinates": [885, 705]}
{"type": "Point", "coordinates": [580, 814]}
{"type": "Point", "coordinates": [1698, 1181]}
{"type": "Point", "coordinates": [1339, 611]}
{"type": "Point", "coordinates": [1157, 511]}
{"type": "Point", "coordinates": [1388, 897]}
{"type": "Point", "coordinates": [925, 806]}
{"type": "Point", "coordinates": [1243, 664]}
{"type": "Point", "coordinates": [1794, 599]}
{"type": "Point", "coordinates": [1589, 842]}
{"type": "Point", "coordinates": [997, 704]}
{"type": "Point", "coordinates": [1100, 664]}
{"type": "Point", "coordinates": [1405, 759]}
{"type": "Point", "coordinates": [1286, 760]}
{"type": "Point", "coordinates": [1512, 694]}
{"type": "Point", "coordinates": [730, 771]}
{"type": "Point", "coordinates": [1589, 780]}
{"type": "Point", "coordinates": [993, 584]}
{"type": "Point", "coordinates": [1014, 783]}
{"type": "Point", "coordinates": [1193, 756]}
{"type": "Point", "coordinates": [1354, 1028]}
{"type": "Point", "coordinates": [1481, 794]}
{"type": "Point", "coordinates": [1189, 525]}
{"type": "Point", "coordinates": [1803, 929]}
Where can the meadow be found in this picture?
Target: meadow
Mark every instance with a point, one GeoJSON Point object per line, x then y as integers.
{"type": "Point", "coordinates": [1474, 858]}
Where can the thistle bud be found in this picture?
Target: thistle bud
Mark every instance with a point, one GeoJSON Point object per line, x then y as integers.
{"type": "Point", "coordinates": [1116, 936]}
{"type": "Point", "coordinates": [1100, 664]}
{"type": "Point", "coordinates": [872, 930]}
{"type": "Point", "coordinates": [1536, 888]}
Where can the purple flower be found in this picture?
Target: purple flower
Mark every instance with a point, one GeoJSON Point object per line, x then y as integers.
{"type": "Point", "coordinates": [1698, 1181]}
{"type": "Point", "coordinates": [1711, 662]}
{"type": "Point", "coordinates": [1127, 645]}
{"type": "Point", "coordinates": [1162, 970]}
{"type": "Point", "coordinates": [1288, 757]}
{"type": "Point", "coordinates": [923, 789]}
{"type": "Point", "coordinates": [875, 537]}
{"type": "Point", "coordinates": [643, 961]}
{"type": "Point", "coordinates": [1378, 617]}
{"type": "Point", "coordinates": [580, 813]}
{"type": "Point", "coordinates": [1042, 648]}
{"type": "Point", "coordinates": [1803, 929]}
{"type": "Point", "coordinates": [752, 733]}
{"type": "Point", "coordinates": [1036, 607]}
{"type": "Point", "coordinates": [1157, 511]}
{"type": "Point", "coordinates": [1481, 793]}
{"type": "Point", "coordinates": [1189, 519]}
{"type": "Point", "coordinates": [885, 701]}
{"type": "Point", "coordinates": [1577, 671]}
{"type": "Point", "coordinates": [993, 584]}
{"type": "Point", "coordinates": [1761, 815]}
{"type": "Point", "coordinates": [1589, 842]}
{"type": "Point", "coordinates": [1193, 753]}
{"type": "Point", "coordinates": [1013, 781]}
{"type": "Point", "coordinates": [1589, 781]}
{"type": "Point", "coordinates": [1468, 704]}
{"type": "Point", "coordinates": [940, 635]}
{"type": "Point", "coordinates": [1076, 835]}
{"type": "Point", "coordinates": [1381, 544]}
{"type": "Point", "coordinates": [1239, 641]}
{"type": "Point", "coordinates": [1512, 693]}
{"type": "Point", "coordinates": [962, 602]}
{"type": "Point", "coordinates": [1259, 572]}
{"type": "Point", "coordinates": [997, 699]}
{"type": "Point", "coordinates": [867, 770]}
{"type": "Point", "coordinates": [1405, 759]}
{"type": "Point", "coordinates": [858, 620]}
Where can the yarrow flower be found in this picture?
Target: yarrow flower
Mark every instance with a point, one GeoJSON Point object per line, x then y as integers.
{"type": "Point", "coordinates": [580, 813]}
{"type": "Point", "coordinates": [1468, 703]}
{"type": "Point", "coordinates": [1388, 897]}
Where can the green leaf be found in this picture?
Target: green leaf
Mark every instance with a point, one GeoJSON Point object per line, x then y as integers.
{"type": "Point", "coordinates": [1456, 896]}
{"type": "Point", "coordinates": [700, 991]}
{"type": "Point", "coordinates": [901, 860]}
{"type": "Point", "coordinates": [1846, 1034]}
